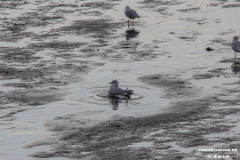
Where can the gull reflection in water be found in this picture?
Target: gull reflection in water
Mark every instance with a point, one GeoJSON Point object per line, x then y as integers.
{"type": "Point", "coordinates": [131, 33]}
{"type": "Point", "coordinates": [115, 102]}
{"type": "Point", "coordinates": [235, 67]}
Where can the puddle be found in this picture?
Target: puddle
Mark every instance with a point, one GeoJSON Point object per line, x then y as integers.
{"type": "Point", "coordinates": [236, 129]}
{"type": "Point", "coordinates": [217, 135]}
{"type": "Point", "coordinates": [190, 149]}
{"type": "Point", "coordinates": [141, 144]}
{"type": "Point", "coordinates": [21, 43]}
{"type": "Point", "coordinates": [215, 81]}
{"type": "Point", "coordinates": [224, 107]}
{"type": "Point", "coordinates": [232, 118]}
{"type": "Point", "coordinates": [94, 95]}
{"type": "Point", "coordinates": [97, 95]}
{"type": "Point", "coordinates": [4, 88]}
{"type": "Point", "coordinates": [44, 56]}
{"type": "Point", "coordinates": [183, 131]}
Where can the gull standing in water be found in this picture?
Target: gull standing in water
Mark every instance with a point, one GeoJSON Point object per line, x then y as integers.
{"type": "Point", "coordinates": [235, 45]}
{"type": "Point", "coordinates": [131, 13]}
{"type": "Point", "coordinates": [114, 90]}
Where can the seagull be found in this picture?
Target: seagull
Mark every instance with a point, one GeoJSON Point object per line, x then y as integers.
{"type": "Point", "coordinates": [131, 13]}
{"type": "Point", "coordinates": [114, 90]}
{"type": "Point", "coordinates": [235, 45]}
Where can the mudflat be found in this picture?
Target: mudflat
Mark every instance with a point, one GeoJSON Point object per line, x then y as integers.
{"type": "Point", "coordinates": [58, 57]}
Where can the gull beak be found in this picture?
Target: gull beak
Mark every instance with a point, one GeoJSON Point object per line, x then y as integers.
{"type": "Point", "coordinates": [110, 83]}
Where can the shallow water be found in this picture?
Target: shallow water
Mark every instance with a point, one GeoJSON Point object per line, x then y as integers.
{"type": "Point", "coordinates": [156, 50]}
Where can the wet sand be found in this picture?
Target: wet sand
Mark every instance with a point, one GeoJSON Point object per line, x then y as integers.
{"type": "Point", "coordinates": [58, 57]}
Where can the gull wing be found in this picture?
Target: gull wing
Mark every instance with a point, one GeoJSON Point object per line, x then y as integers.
{"type": "Point", "coordinates": [236, 46]}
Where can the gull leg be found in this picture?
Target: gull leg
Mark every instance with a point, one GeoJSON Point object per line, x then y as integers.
{"type": "Point", "coordinates": [235, 55]}
{"type": "Point", "coordinates": [132, 21]}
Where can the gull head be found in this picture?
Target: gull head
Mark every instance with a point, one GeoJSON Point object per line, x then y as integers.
{"type": "Point", "coordinates": [235, 38]}
{"type": "Point", "coordinates": [127, 7]}
{"type": "Point", "coordinates": [114, 82]}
